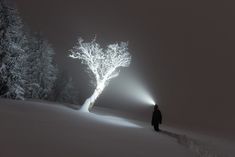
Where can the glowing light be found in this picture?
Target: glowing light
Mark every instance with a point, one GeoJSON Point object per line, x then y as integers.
{"type": "Point", "coordinates": [132, 89]}
{"type": "Point", "coordinates": [103, 63]}
{"type": "Point", "coordinates": [145, 96]}
{"type": "Point", "coordinates": [149, 100]}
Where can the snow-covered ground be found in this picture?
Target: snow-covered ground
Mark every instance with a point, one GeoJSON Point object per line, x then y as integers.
{"type": "Point", "coordinates": [39, 129]}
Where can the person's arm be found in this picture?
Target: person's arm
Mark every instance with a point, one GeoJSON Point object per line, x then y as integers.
{"type": "Point", "coordinates": [152, 119]}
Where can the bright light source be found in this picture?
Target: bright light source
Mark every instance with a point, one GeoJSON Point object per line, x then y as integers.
{"type": "Point", "coordinates": [149, 100]}
{"type": "Point", "coordinates": [142, 95]}
{"type": "Point", "coordinates": [134, 90]}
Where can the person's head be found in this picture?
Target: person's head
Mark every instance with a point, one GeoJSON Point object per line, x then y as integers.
{"type": "Point", "coordinates": [155, 107]}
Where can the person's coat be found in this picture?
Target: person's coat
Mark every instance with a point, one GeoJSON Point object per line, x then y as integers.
{"type": "Point", "coordinates": [157, 117]}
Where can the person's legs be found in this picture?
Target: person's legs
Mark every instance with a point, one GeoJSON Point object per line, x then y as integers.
{"type": "Point", "coordinates": [156, 127]}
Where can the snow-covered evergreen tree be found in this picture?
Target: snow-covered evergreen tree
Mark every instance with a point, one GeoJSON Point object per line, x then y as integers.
{"type": "Point", "coordinates": [42, 73]}
{"type": "Point", "coordinates": [26, 61]}
{"type": "Point", "coordinates": [12, 53]}
{"type": "Point", "coordinates": [31, 84]}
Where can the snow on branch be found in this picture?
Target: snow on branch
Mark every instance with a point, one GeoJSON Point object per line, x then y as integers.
{"type": "Point", "coordinates": [103, 63]}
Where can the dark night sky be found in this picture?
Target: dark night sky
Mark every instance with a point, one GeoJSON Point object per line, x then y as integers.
{"type": "Point", "coordinates": [182, 51]}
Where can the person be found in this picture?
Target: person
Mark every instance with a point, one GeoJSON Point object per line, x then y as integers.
{"type": "Point", "coordinates": [156, 118]}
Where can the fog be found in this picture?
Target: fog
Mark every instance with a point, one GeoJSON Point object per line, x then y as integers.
{"type": "Point", "coordinates": [183, 54]}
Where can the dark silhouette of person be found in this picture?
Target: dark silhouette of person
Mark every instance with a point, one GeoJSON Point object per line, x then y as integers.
{"type": "Point", "coordinates": [156, 118]}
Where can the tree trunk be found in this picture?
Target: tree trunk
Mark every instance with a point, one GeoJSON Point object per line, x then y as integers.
{"type": "Point", "coordinates": [89, 103]}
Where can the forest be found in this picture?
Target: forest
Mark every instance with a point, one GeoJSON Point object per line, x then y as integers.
{"type": "Point", "coordinates": [27, 66]}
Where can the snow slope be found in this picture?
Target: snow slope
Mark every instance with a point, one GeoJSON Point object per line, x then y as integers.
{"type": "Point", "coordinates": [37, 129]}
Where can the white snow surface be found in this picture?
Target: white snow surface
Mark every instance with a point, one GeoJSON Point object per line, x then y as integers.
{"type": "Point", "coordinates": [42, 129]}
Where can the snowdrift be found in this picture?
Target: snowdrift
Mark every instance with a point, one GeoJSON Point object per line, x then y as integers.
{"type": "Point", "coordinates": [39, 129]}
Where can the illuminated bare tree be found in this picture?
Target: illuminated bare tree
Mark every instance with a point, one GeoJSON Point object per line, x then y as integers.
{"type": "Point", "coordinates": [103, 63]}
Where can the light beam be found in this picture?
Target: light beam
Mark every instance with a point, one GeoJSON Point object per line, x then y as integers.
{"type": "Point", "coordinates": [134, 90]}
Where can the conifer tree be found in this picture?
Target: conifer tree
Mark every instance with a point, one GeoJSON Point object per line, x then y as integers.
{"type": "Point", "coordinates": [13, 54]}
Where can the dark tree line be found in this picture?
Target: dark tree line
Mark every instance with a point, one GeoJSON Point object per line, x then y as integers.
{"type": "Point", "coordinates": [64, 89]}
{"type": "Point", "coordinates": [26, 62]}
